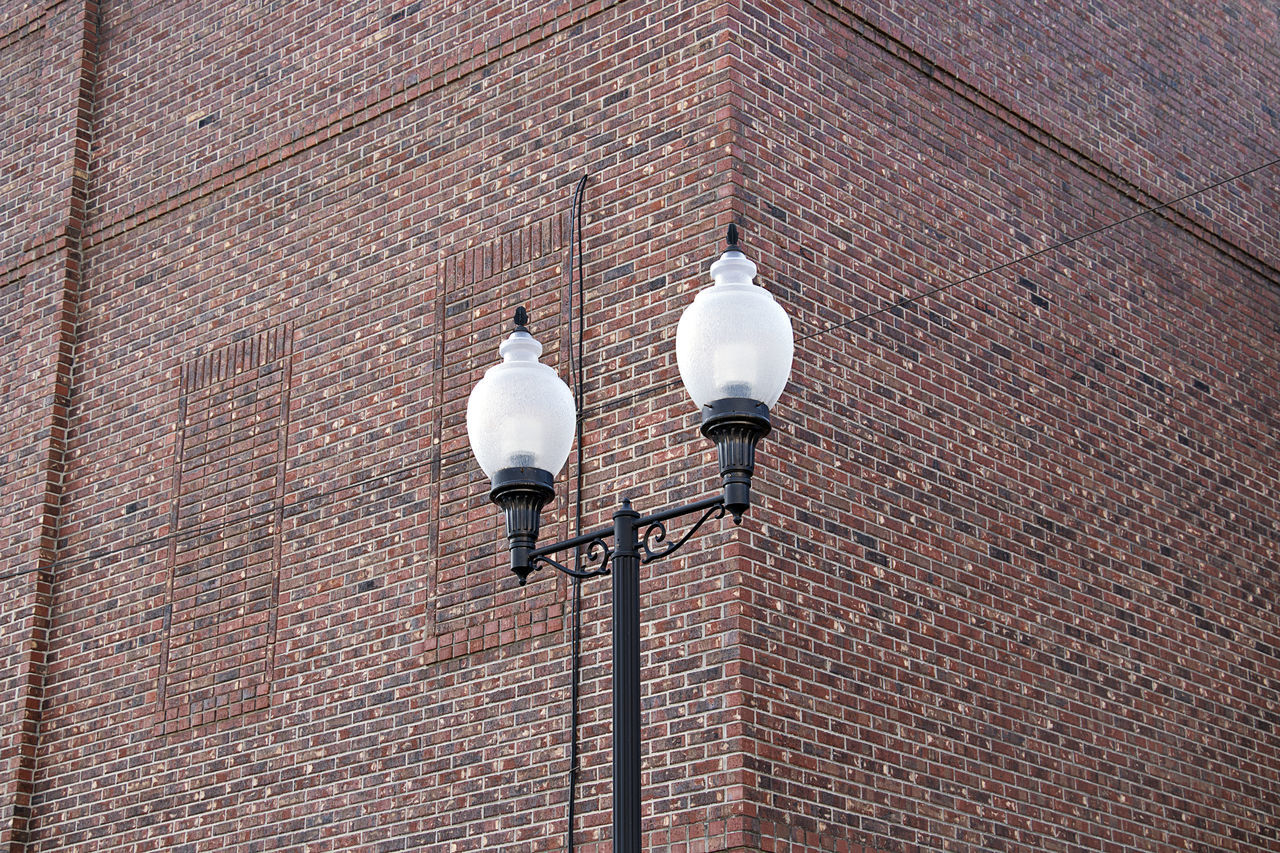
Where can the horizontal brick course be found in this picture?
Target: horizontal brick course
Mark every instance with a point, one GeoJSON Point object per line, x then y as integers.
{"type": "Point", "coordinates": [1168, 96]}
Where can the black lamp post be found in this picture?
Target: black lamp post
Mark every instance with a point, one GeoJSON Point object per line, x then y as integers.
{"type": "Point", "coordinates": [733, 346]}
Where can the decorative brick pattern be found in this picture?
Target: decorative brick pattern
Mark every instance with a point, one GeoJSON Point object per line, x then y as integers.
{"type": "Point", "coordinates": [462, 598]}
{"type": "Point", "coordinates": [15, 401]}
{"type": "Point", "coordinates": [19, 106]}
{"type": "Point", "coordinates": [227, 516]}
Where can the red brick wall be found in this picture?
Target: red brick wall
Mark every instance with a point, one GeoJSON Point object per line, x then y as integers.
{"type": "Point", "coordinates": [1034, 607]}
{"type": "Point", "coordinates": [1010, 583]}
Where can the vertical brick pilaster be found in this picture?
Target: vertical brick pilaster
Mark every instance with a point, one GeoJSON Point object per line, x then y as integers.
{"type": "Point", "coordinates": [59, 336]}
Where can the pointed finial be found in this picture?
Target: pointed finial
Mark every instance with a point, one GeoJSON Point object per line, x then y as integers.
{"type": "Point", "coordinates": [733, 239]}
{"type": "Point", "coordinates": [522, 319]}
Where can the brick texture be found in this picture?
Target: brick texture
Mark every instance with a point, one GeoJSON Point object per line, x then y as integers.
{"type": "Point", "coordinates": [1056, 482]}
{"type": "Point", "coordinates": [1171, 97]}
{"type": "Point", "coordinates": [1010, 581]}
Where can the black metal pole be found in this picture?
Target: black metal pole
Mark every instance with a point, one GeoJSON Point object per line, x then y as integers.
{"type": "Point", "coordinates": [626, 682]}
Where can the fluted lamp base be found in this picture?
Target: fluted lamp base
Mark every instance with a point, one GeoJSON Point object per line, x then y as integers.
{"type": "Point", "coordinates": [736, 424]}
{"type": "Point", "coordinates": [522, 493]}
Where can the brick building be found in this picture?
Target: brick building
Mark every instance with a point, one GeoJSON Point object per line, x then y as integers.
{"type": "Point", "coordinates": [1011, 580]}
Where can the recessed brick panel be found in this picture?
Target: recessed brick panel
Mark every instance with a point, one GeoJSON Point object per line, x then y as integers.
{"type": "Point", "coordinates": [227, 514]}
{"type": "Point", "coordinates": [483, 284]}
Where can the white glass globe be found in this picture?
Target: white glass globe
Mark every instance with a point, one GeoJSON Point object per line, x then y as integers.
{"type": "Point", "coordinates": [520, 414]}
{"type": "Point", "coordinates": [734, 340]}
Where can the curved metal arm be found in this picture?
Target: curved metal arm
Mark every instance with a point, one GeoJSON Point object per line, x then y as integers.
{"type": "Point", "coordinates": [598, 552]}
{"type": "Point", "coordinates": [653, 540]}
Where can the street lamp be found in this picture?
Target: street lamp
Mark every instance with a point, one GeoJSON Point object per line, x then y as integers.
{"type": "Point", "coordinates": [733, 346]}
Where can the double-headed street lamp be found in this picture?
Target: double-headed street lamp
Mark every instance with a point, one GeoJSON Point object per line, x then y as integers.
{"type": "Point", "coordinates": [733, 347]}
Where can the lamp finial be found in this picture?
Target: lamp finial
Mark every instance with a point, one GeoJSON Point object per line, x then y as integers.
{"type": "Point", "coordinates": [522, 319]}
{"type": "Point", "coordinates": [733, 239]}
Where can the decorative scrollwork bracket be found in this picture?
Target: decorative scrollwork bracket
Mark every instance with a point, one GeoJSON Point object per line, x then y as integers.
{"type": "Point", "coordinates": [644, 539]}
{"type": "Point", "coordinates": [597, 555]}
{"type": "Point", "coordinates": [653, 541]}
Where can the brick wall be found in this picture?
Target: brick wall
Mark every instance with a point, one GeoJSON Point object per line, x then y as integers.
{"type": "Point", "coordinates": [1010, 583]}
{"type": "Point", "coordinates": [1036, 609]}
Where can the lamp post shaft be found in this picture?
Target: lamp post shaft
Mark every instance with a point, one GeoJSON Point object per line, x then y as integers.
{"type": "Point", "coordinates": [626, 682]}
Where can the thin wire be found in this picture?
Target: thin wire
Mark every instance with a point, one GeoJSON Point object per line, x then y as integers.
{"type": "Point", "coordinates": [907, 300]}
{"type": "Point", "coordinates": [576, 364]}
{"type": "Point", "coordinates": [18, 574]}
{"type": "Point", "coordinates": [576, 368]}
